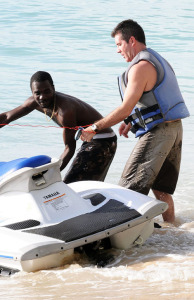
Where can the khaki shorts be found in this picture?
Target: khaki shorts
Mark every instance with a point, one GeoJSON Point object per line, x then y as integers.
{"type": "Point", "coordinates": [155, 160]}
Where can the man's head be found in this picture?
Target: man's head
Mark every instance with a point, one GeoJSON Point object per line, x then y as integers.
{"type": "Point", "coordinates": [129, 28]}
{"type": "Point", "coordinates": [41, 76]}
{"type": "Point", "coordinates": [129, 38]}
{"type": "Point", "coordinates": [43, 89]}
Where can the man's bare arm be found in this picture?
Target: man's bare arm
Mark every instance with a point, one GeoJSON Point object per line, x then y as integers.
{"type": "Point", "coordinates": [27, 107]}
{"type": "Point", "coordinates": [139, 78]}
{"type": "Point", "coordinates": [68, 119]}
{"type": "Point", "coordinates": [70, 146]}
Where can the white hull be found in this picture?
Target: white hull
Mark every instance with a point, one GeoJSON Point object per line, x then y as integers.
{"type": "Point", "coordinates": [43, 219]}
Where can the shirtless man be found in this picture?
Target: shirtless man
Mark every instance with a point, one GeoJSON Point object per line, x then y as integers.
{"type": "Point", "coordinates": [152, 108]}
{"type": "Point", "coordinates": [94, 158]}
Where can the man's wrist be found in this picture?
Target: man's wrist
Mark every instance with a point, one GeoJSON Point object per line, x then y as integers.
{"type": "Point", "coordinates": [94, 128]}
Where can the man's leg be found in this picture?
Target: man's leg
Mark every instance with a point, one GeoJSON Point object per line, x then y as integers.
{"type": "Point", "coordinates": [169, 214]}
{"type": "Point", "coordinates": [92, 160]}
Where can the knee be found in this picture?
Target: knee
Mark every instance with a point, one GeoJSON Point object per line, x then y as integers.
{"type": "Point", "coordinates": [162, 195]}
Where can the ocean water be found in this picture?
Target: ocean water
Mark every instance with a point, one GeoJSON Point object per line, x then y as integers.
{"type": "Point", "coordinates": [71, 40]}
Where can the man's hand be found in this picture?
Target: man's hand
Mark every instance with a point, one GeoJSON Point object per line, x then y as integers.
{"type": "Point", "coordinates": [124, 129]}
{"type": "Point", "coordinates": [87, 134]}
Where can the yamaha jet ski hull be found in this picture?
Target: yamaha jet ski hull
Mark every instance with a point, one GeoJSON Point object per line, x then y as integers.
{"type": "Point", "coordinates": [42, 219]}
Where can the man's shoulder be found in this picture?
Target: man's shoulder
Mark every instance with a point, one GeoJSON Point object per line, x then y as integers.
{"type": "Point", "coordinates": [30, 103]}
{"type": "Point", "coordinates": [66, 97]}
{"type": "Point", "coordinates": [29, 100]}
{"type": "Point", "coordinates": [142, 66]}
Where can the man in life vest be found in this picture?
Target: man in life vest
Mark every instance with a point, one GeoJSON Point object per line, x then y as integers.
{"type": "Point", "coordinates": [152, 108]}
{"type": "Point", "coordinates": [93, 159]}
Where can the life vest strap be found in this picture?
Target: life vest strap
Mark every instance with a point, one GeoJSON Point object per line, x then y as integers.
{"type": "Point", "coordinates": [143, 111]}
{"type": "Point", "coordinates": [138, 124]}
{"type": "Point", "coordinates": [140, 113]}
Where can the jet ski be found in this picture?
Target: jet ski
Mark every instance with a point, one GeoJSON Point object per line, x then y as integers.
{"type": "Point", "coordinates": [43, 220]}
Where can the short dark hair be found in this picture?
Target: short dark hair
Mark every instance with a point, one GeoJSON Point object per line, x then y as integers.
{"type": "Point", "coordinates": [130, 28]}
{"type": "Point", "coordinates": [41, 76]}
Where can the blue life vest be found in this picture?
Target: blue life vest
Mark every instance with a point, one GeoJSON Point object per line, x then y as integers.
{"type": "Point", "coordinates": [163, 103]}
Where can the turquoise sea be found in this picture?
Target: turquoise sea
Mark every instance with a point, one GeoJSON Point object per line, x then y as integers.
{"type": "Point", "coordinates": [71, 40]}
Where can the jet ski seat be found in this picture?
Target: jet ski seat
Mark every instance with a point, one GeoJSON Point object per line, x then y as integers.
{"type": "Point", "coordinates": [16, 164]}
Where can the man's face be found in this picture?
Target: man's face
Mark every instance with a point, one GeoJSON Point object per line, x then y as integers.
{"type": "Point", "coordinates": [124, 48]}
{"type": "Point", "coordinates": [43, 93]}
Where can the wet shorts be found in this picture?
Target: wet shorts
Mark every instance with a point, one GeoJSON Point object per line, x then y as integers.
{"type": "Point", "coordinates": [92, 160]}
{"type": "Point", "coordinates": [155, 160]}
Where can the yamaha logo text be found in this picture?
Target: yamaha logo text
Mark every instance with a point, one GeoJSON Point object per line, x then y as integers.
{"type": "Point", "coordinates": [51, 195]}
